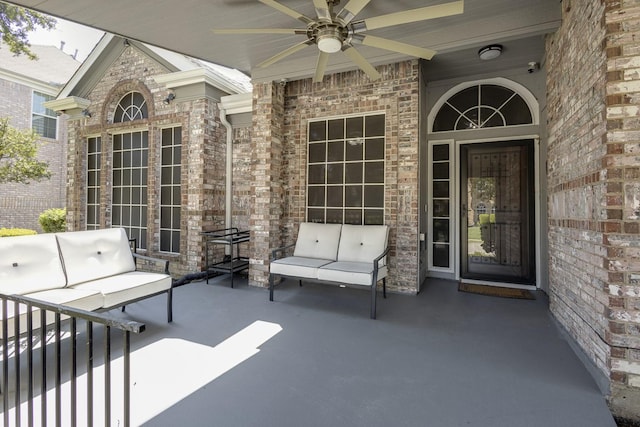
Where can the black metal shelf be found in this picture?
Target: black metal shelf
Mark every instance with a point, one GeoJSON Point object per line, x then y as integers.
{"type": "Point", "coordinates": [228, 237]}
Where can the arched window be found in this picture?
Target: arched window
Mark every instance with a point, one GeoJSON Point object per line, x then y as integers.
{"type": "Point", "coordinates": [131, 107]}
{"type": "Point", "coordinates": [482, 106]}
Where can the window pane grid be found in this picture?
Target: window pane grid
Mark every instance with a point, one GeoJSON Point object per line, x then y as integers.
{"type": "Point", "coordinates": [345, 180]}
{"type": "Point", "coordinates": [94, 155]}
{"type": "Point", "coordinates": [170, 189]}
{"type": "Point", "coordinates": [43, 120]}
{"type": "Point", "coordinates": [482, 106]}
{"type": "Point", "coordinates": [129, 205]}
{"type": "Point", "coordinates": [131, 107]}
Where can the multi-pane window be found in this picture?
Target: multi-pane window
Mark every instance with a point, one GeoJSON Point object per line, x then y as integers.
{"type": "Point", "coordinates": [345, 179]}
{"type": "Point", "coordinates": [43, 120]}
{"type": "Point", "coordinates": [131, 107]}
{"type": "Point", "coordinates": [170, 194]}
{"type": "Point", "coordinates": [129, 198]}
{"type": "Point", "coordinates": [482, 106]}
{"type": "Point", "coordinates": [440, 212]}
{"type": "Point", "coordinates": [94, 153]}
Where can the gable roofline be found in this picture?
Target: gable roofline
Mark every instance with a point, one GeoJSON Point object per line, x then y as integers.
{"type": "Point", "coordinates": [109, 48]}
{"type": "Point", "coordinates": [37, 85]}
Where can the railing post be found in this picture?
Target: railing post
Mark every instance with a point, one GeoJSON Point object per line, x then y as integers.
{"type": "Point", "coordinates": [90, 374]}
{"type": "Point", "coordinates": [5, 363]}
{"type": "Point", "coordinates": [16, 358]}
{"type": "Point", "coordinates": [107, 376]}
{"type": "Point", "coordinates": [74, 373]}
{"type": "Point", "coordinates": [127, 378]}
{"type": "Point", "coordinates": [30, 364]}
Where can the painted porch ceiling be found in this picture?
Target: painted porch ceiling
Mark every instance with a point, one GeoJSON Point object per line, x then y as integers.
{"type": "Point", "coordinates": [185, 26]}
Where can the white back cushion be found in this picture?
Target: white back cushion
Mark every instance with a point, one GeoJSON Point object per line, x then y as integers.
{"type": "Point", "coordinates": [362, 243]}
{"type": "Point", "coordinates": [30, 264]}
{"type": "Point", "coordinates": [318, 240]}
{"type": "Point", "coordinates": [94, 254]}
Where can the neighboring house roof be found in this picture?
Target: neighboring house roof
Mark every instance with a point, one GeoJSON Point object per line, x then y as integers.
{"type": "Point", "coordinates": [111, 46]}
{"type": "Point", "coordinates": [52, 68]}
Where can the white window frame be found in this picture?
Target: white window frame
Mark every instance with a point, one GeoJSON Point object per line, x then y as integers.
{"type": "Point", "coordinates": [53, 114]}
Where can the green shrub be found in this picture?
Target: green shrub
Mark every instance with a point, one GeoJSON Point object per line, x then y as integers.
{"type": "Point", "coordinates": [53, 220]}
{"type": "Point", "coordinates": [487, 218]}
{"type": "Point", "coordinates": [9, 232]}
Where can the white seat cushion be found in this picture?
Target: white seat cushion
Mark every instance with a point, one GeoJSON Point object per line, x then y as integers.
{"type": "Point", "coordinates": [318, 240]}
{"type": "Point", "coordinates": [298, 266]}
{"type": "Point", "coordinates": [362, 243]}
{"type": "Point", "coordinates": [94, 254]}
{"type": "Point", "coordinates": [357, 273]}
{"type": "Point", "coordinates": [77, 298]}
{"type": "Point", "coordinates": [117, 290]}
{"type": "Point", "coordinates": [84, 299]}
{"type": "Point", "coordinates": [30, 264]}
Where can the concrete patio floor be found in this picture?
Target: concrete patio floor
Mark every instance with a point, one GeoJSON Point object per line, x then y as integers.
{"type": "Point", "coordinates": [314, 358]}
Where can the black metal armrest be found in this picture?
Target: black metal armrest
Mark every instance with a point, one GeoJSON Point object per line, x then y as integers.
{"type": "Point", "coordinates": [154, 260]}
{"type": "Point", "coordinates": [377, 260]}
{"type": "Point", "coordinates": [274, 252]}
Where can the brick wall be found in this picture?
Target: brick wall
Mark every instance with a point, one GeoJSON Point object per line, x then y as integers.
{"type": "Point", "coordinates": [241, 177]}
{"type": "Point", "coordinates": [22, 204]}
{"type": "Point", "coordinates": [203, 155]}
{"type": "Point", "coordinates": [395, 94]}
{"type": "Point", "coordinates": [594, 188]}
{"type": "Point", "coordinates": [266, 178]}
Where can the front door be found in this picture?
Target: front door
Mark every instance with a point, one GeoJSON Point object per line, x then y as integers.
{"type": "Point", "coordinates": [497, 212]}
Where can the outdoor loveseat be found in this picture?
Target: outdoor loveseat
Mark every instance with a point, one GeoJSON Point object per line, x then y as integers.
{"type": "Point", "coordinates": [90, 270]}
{"type": "Point", "coordinates": [347, 255]}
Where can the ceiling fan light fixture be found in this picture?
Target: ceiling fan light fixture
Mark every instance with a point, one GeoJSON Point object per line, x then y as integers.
{"type": "Point", "coordinates": [490, 52]}
{"type": "Point", "coordinates": [329, 43]}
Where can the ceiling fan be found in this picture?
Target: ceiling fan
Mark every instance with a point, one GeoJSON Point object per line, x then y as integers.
{"type": "Point", "coordinates": [333, 32]}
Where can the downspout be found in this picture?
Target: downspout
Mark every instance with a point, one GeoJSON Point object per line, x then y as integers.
{"type": "Point", "coordinates": [228, 192]}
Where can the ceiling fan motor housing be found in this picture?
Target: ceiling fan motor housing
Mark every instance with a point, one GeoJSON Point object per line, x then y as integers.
{"type": "Point", "coordinates": [329, 37]}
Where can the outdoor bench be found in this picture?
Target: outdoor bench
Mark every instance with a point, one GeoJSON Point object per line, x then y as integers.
{"type": "Point", "coordinates": [91, 270]}
{"type": "Point", "coordinates": [346, 255]}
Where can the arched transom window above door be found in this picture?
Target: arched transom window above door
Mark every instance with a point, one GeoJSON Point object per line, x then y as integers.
{"type": "Point", "coordinates": [132, 106]}
{"type": "Point", "coordinates": [481, 106]}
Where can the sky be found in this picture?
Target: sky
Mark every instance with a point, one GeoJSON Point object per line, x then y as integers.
{"type": "Point", "coordinates": [74, 35]}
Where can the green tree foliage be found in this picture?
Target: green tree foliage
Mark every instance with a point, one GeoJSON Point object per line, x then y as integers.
{"type": "Point", "coordinates": [18, 149]}
{"type": "Point", "coordinates": [53, 220]}
{"type": "Point", "coordinates": [16, 23]}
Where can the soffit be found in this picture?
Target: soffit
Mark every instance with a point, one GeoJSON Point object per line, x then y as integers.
{"type": "Point", "coordinates": [185, 26]}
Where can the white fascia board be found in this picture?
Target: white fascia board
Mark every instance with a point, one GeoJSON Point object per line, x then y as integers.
{"type": "Point", "coordinates": [86, 65]}
{"type": "Point", "coordinates": [237, 104]}
{"type": "Point", "coordinates": [195, 76]}
{"type": "Point", "coordinates": [34, 84]}
{"type": "Point", "coordinates": [73, 106]}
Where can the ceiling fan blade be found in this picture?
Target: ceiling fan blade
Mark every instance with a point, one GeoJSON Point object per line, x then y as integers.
{"type": "Point", "coordinates": [361, 61]}
{"type": "Point", "coordinates": [258, 31]}
{"type": "Point", "coordinates": [350, 10]}
{"type": "Point", "coordinates": [322, 10]}
{"type": "Point", "coordinates": [394, 46]}
{"type": "Point", "coordinates": [414, 15]}
{"type": "Point", "coordinates": [287, 11]}
{"type": "Point", "coordinates": [290, 51]}
{"type": "Point", "coordinates": [321, 66]}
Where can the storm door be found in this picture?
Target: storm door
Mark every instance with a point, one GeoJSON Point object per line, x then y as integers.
{"type": "Point", "coordinates": [497, 212]}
